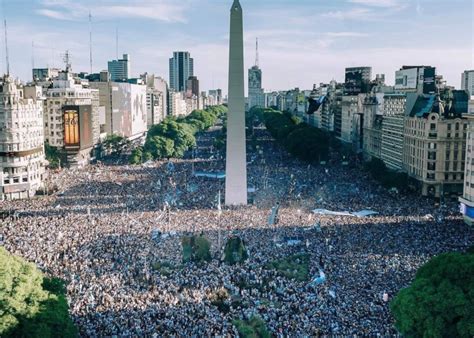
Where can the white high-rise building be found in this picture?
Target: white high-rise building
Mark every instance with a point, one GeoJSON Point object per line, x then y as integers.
{"type": "Point", "coordinates": [119, 70]}
{"type": "Point", "coordinates": [22, 160]}
{"type": "Point", "coordinates": [71, 118]}
{"type": "Point", "coordinates": [125, 108]}
{"type": "Point", "coordinates": [467, 200]}
{"type": "Point", "coordinates": [467, 81]}
{"type": "Point", "coordinates": [177, 104]}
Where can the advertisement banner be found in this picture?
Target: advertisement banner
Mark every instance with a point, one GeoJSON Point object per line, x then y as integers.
{"type": "Point", "coordinates": [71, 127]}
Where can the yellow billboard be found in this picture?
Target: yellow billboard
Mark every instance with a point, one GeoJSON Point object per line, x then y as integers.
{"type": "Point", "coordinates": [71, 127]}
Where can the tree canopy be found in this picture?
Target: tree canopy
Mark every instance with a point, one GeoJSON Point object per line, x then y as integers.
{"type": "Point", "coordinates": [440, 301]}
{"type": "Point", "coordinates": [306, 142]}
{"type": "Point", "coordinates": [30, 304]}
{"type": "Point", "coordinates": [174, 136]}
{"type": "Point", "coordinates": [235, 251]}
{"type": "Point", "coordinates": [196, 249]}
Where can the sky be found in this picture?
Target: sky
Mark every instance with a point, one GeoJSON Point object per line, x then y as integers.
{"type": "Point", "coordinates": [301, 42]}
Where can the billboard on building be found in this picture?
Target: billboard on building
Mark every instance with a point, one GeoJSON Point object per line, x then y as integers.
{"type": "Point", "coordinates": [78, 127]}
{"type": "Point", "coordinates": [71, 127]}
{"type": "Point", "coordinates": [129, 111]}
{"type": "Point", "coordinates": [406, 79]}
{"type": "Point", "coordinates": [429, 80]}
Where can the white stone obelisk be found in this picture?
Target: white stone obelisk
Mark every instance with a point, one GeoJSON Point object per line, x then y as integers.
{"type": "Point", "coordinates": [236, 162]}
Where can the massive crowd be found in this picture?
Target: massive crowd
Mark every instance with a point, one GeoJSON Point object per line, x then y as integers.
{"type": "Point", "coordinates": [96, 232]}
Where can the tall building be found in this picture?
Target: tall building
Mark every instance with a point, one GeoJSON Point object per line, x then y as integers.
{"type": "Point", "coordinates": [467, 200]}
{"type": "Point", "coordinates": [45, 74]}
{"type": "Point", "coordinates": [119, 70]}
{"type": "Point", "coordinates": [71, 118]}
{"type": "Point", "coordinates": [256, 95]}
{"type": "Point", "coordinates": [236, 158]}
{"type": "Point", "coordinates": [22, 160]}
{"type": "Point", "coordinates": [372, 133]}
{"type": "Point", "coordinates": [467, 81]}
{"type": "Point", "coordinates": [435, 141]}
{"type": "Point", "coordinates": [181, 68]}
{"type": "Point", "coordinates": [357, 80]}
{"type": "Point", "coordinates": [177, 104]}
{"type": "Point", "coordinates": [156, 99]}
{"type": "Point", "coordinates": [416, 79]}
{"type": "Point", "coordinates": [192, 86]}
{"type": "Point", "coordinates": [217, 95]}
{"type": "Point", "coordinates": [125, 108]}
{"type": "Point", "coordinates": [392, 130]}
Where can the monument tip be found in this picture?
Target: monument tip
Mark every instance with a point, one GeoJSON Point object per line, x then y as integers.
{"type": "Point", "coordinates": [236, 5]}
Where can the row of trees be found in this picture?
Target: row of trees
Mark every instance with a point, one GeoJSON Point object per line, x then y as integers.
{"type": "Point", "coordinates": [174, 136]}
{"type": "Point", "coordinates": [306, 142]}
{"type": "Point", "coordinates": [386, 177]}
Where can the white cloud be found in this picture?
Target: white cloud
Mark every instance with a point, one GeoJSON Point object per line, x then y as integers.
{"type": "Point", "coordinates": [165, 11]}
{"type": "Point", "coordinates": [347, 34]}
{"type": "Point", "coordinates": [49, 13]}
{"type": "Point", "coordinates": [354, 13]}
{"type": "Point", "coordinates": [377, 3]}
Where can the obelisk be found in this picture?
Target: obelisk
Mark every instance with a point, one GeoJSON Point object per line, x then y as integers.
{"type": "Point", "coordinates": [236, 161]}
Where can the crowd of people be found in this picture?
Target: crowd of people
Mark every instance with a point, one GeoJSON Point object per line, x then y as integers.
{"type": "Point", "coordinates": [96, 233]}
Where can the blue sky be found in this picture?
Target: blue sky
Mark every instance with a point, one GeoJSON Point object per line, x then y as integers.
{"type": "Point", "coordinates": [301, 41]}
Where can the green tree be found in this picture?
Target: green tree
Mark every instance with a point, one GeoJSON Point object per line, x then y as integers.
{"type": "Point", "coordinates": [235, 251]}
{"type": "Point", "coordinates": [30, 304]}
{"type": "Point", "coordinates": [137, 156]}
{"type": "Point", "coordinates": [53, 156]}
{"type": "Point", "coordinates": [253, 328]}
{"type": "Point", "coordinates": [308, 143]}
{"type": "Point", "coordinates": [160, 147]}
{"type": "Point", "coordinates": [440, 301]}
{"type": "Point", "coordinates": [196, 249]}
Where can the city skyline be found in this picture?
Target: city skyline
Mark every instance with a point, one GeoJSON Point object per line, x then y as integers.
{"type": "Point", "coordinates": [317, 43]}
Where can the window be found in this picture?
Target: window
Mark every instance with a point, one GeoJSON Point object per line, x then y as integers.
{"type": "Point", "coordinates": [432, 166]}
{"type": "Point", "coordinates": [433, 126]}
{"type": "Point", "coordinates": [430, 176]}
{"type": "Point", "coordinates": [432, 155]}
{"type": "Point", "coordinates": [449, 126]}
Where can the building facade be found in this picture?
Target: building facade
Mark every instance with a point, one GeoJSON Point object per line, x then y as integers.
{"type": "Point", "coordinates": [125, 108]}
{"type": "Point", "coordinates": [181, 68]}
{"type": "Point", "coordinates": [256, 93]}
{"type": "Point", "coordinates": [156, 99]}
{"type": "Point", "coordinates": [435, 146]}
{"type": "Point", "coordinates": [119, 70]}
{"type": "Point", "coordinates": [177, 104]}
{"type": "Point", "coordinates": [467, 81]}
{"type": "Point", "coordinates": [372, 136]}
{"type": "Point", "coordinates": [71, 118]}
{"type": "Point", "coordinates": [416, 79]}
{"type": "Point", "coordinates": [467, 199]}
{"type": "Point", "coordinates": [392, 131]}
{"type": "Point", "coordinates": [22, 158]}
{"type": "Point", "coordinates": [357, 80]}
{"type": "Point", "coordinates": [192, 87]}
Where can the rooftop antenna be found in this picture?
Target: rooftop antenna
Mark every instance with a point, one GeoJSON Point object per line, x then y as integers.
{"type": "Point", "coordinates": [90, 41]}
{"type": "Point", "coordinates": [116, 42]}
{"type": "Point", "coordinates": [67, 61]}
{"type": "Point", "coordinates": [256, 54]}
{"type": "Point", "coordinates": [32, 55]}
{"type": "Point", "coordinates": [6, 39]}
